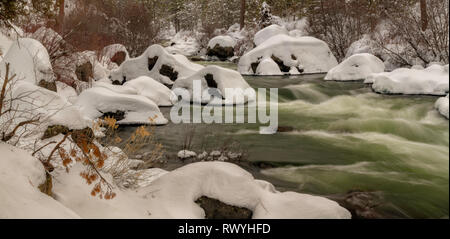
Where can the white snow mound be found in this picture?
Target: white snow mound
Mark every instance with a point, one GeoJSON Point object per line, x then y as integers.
{"type": "Point", "coordinates": [356, 67]}
{"type": "Point", "coordinates": [177, 191]}
{"type": "Point", "coordinates": [442, 106]}
{"type": "Point", "coordinates": [433, 80]}
{"type": "Point", "coordinates": [306, 53]}
{"type": "Point", "coordinates": [20, 176]}
{"type": "Point", "coordinates": [218, 80]}
{"type": "Point", "coordinates": [223, 41]}
{"type": "Point", "coordinates": [138, 109]}
{"type": "Point", "coordinates": [268, 32]}
{"type": "Point", "coordinates": [268, 67]}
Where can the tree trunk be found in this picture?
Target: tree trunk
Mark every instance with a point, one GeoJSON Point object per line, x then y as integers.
{"type": "Point", "coordinates": [60, 21]}
{"type": "Point", "coordinates": [242, 20]}
{"type": "Point", "coordinates": [424, 14]}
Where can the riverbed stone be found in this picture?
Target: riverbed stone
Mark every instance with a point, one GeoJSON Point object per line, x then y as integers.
{"type": "Point", "coordinates": [215, 209]}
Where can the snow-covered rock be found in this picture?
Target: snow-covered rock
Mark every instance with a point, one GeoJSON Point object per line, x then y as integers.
{"type": "Point", "coordinates": [116, 53]}
{"type": "Point", "coordinates": [221, 47]}
{"type": "Point", "coordinates": [20, 177]}
{"type": "Point", "coordinates": [186, 154]}
{"type": "Point", "coordinates": [97, 101]}
{"type": "Point", "coordinates": [66, 92]}
{"type": "Point", "coordinates": [175, 194]}
{"type": "Point", "coordinates": [30, 61]}
{"type": "Point", "coordinates": [442, 106]}
{"type": "Point", "coordinates": [268, 67]}
{"type": "Point", "coordinates": [356, 67]}
{"type": "Point", "coordinates": [143, 86]}
{"type": "Point", "coordinates": [218, 79]}
{"type": "Point", "coordinates": [309, 54]}
{"type": "Point", "coordinates": [363, 45]}
{"type": "Point", "coordinates": [268, 32]}
{"type": "Point", "coordinates": [433, 80]}
{"type": "Point", "coordinates": [156, 63]}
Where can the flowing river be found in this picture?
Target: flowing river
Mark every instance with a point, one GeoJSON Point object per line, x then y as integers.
{"type": "Point", "coordinates": [342, 138]}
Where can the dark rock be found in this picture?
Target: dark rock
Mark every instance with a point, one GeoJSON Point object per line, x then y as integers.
{"type": "Point", "coordinates": [223, 53]}
{"type": "Point", "coordinates": [197, 58]}
{"type": "Point", "coordinates": [210, 81]}
{"type": "Point", "coordinates": [118, 115]}
{"type": "Point", "coordinates": [85, 72]}
{"type": "Point", "coordinates": [362, 204]}
{"type": "Point", "coordinates": [48, 85]}
{"type": "Point", "coordinates": [215, 209]}
{"type": "Point", "coordinates": [116, 82]}
{"type": "Point", "coordinates": [283, 129]}
{"type": "Point", "coordinates": [119, 57]}
{"type": "Point", "coordinates": [254, 66]}
{"type": "Point", "coordinates": [54, 130]}
{"type": "Point", "coordinates": [169, 72]}
{"type": "Point", "coordinates": [281, 64]}
{"type": "Point", "coordinates": [152, 62]}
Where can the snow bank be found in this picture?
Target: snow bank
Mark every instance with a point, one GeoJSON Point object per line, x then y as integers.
{"type": "Point", "coordinates": [158, 64]}
{"type": "Point", "coordinates": [356, 67]}
{"type": "Point", "coordinates": [309, 54]}
{"type": "Point", "coordinates": [29, 60]}
{"type": "Point", "coordinates": [433, 80]}
{"type": "Point", "coordinates": [442, 106]}
{"type": "Point", "coordinates": [20, 177]}
{"type": "Point", "coordinates": [66, 92]}
{"type": "Point", "coordinates": [268, 32]}
{"type": "Point", "coordinates": [223, 41]}
{"type": "Point", "coordinates": [176, 193]}
{"type": "Point", "coordinates": [97, 101]}
{"type": "Point", "coordinates": [215, 77]}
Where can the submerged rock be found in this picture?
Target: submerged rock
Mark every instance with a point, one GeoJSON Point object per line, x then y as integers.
{"type": "Point", "coordinates": [215, 209]}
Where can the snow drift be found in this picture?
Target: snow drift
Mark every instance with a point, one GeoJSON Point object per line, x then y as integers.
{"type": "Point", "coordinates": [356, 67]}
{"type": "Point", "coordinates": [433, 80]}
{"type": "Point", "coordinates": [306, 54]}
{"type": "Point", "coordinates": [156, 63]}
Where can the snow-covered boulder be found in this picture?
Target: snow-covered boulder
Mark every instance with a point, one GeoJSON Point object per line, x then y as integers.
{"type": "Point", "coordinates": [221, 47]}
{"type": "Point", "coordinates": [442, 106]}
{"type": "Point", "coordinates": [20, 177]}
{"type": "Point", "coordinates": [156, 63]}
{"type": "Point", "coordinates": [268, 67]}
{"type": "Point", "coordinates": [126, 108]}
{"type": "Point", "coordinates": [116, 53]}
{"type": "Point", "coordinates": [184, 43]}
{"type": "Point", "coordinates": [30, 61]}
{"type": "Point", "coordinates": [217, 80]}
{"type": "Point", "coordinates": [356, 67]}
{"type": "Point", "coordinates": [175, 194]}
{"type": "Point", "coordinates": [143, 86]}
{"type": "Point", "coordinates": [433, 80]}
{"type": "Point", "coordinates": [186, 154]}
{"type": "Point", "coordinates": [307, 54]}
{"type": "Point", "coordinates": [66, 92]}
{"type": "Point", "coordinates": [268, 32]}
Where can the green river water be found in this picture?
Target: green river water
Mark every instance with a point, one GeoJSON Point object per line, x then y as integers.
{"type": "Point", "coordinates": [345, 138]}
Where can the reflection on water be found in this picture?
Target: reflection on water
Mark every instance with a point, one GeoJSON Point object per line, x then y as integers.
{"type": "Point", "coordinates": [344, 138]}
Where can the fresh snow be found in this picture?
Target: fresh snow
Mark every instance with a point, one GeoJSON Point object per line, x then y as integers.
{"type": "Point", "coordinates": [307, 53]}
{"type": "Point", "coordinates": [20, 176]}
{"type": "Point", "coordinates": [223, 41]}
{"type": "Point", "coordinates": [175, 194]}
{"type": "Point", "coordinates": [356, 67]}
{"type": "Point", "coordinates": [433, 80]}
{"type": "Point", "coordinates": [135, 67]}
{"type": "Point", "coordinates": [138, 109]}
{"type": "Point", "coordinates": [268, 32]}
{"type": "Point", "coordinates": [224, 79]}
{"type": "Point", "coordinates": [268, 67]}
{"type": "Point", "coordinates": [29, 60]}
{"type": "Point", "coordinates": [442, 106]}
{"type": "Point", "coordinates": [184, 43]}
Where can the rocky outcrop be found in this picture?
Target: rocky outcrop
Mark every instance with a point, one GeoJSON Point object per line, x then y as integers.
{"type": "Point", "coordinates": [223, 53]}
{"type": "Point", "coordinates": [215, 209]}
{"type": "Point", "coordinates": [85, 72]}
